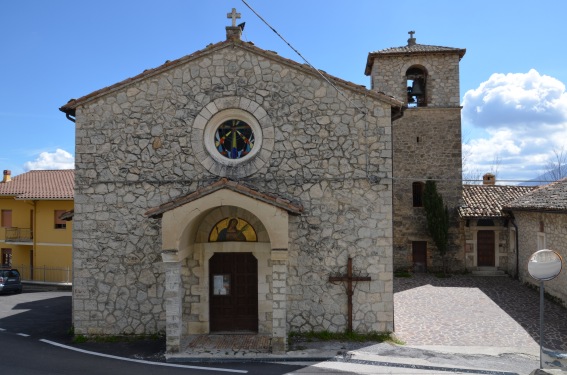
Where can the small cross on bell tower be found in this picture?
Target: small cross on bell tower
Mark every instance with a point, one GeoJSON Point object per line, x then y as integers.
{"type": "Point", "coordinates": [233, 32]}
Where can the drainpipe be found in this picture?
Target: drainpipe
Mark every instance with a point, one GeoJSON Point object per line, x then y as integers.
{"type": "Point", "coordinates": [69, 112]}
{"type": "Point", "coordinates": [516, 276]}
{"type": "Point", "coordinates": [69, 117]}
{"type": "Point", "coordinates": [34, 237]}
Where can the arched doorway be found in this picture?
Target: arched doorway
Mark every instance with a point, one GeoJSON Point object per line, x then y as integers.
{"type": "Point", "coordinates": [186, 226]}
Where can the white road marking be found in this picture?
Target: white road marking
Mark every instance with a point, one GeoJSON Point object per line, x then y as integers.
{"type": "Point", "coordinates": [23, 334]}
{"type": "Point", "coordinates": [142, 361]}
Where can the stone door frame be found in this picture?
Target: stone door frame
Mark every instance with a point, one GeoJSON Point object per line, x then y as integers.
{"type": "Point", "coordinates": [179, 232]}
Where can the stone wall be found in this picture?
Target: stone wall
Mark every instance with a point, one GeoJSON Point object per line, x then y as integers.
{"type": "Point", "coordinates": [134, 151]}
{"type": "Point", "coordinates": [555, 234]}
{"type": "Point", "coordinates": [427, 145]}
{"type": "Point", "coordinates": [442, 83]}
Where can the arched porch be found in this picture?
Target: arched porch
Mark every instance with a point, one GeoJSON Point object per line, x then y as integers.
{"type": "Point", "coordinates": [187, 251]}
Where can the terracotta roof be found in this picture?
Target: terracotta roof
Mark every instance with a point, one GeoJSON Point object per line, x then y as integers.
{"type": "Point", "coordinates": [413, 49]}
{"type": "Point", "coordinates": [486, 201]}
{"type": "Point", "coordinates": [550, 198]}
{"type": "Point", "coordinates": [235, 186]}
{"type": "Point", "coordinates": [70, 107]}
{"type": "Point", "coordinates": [52, 184]}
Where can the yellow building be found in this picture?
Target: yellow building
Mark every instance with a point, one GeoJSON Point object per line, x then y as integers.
{"type": "Point", "coordinates": [33, 237]}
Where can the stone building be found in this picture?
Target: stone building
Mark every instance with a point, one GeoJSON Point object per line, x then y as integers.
{"type": "Point", "coordinates": [541, 219]}
{"type": "Point", "coordinates": [426, 143]}
{"type": "Point", "coordinates": [231, 172]}
{"type": "Point", "coordinates": [221, 191]}
{"type": "Point", "coordinates": [489, 234]}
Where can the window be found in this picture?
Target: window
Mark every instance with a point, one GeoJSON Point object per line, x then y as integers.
{"type": "Point", "coordinates": [59, 224]}
{"type": "Point", "coordinates": [417, 188]}
{"type": "Point", "coordinates": [7, 257]}
{"type": "Point", "coordinates": [416, 80]}
{"type": "Point", "coordinates": [7, 218]}
{"type": "Point", "coordinates": [234, 139]}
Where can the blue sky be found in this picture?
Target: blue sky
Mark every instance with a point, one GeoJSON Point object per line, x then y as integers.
{"type": "Point", "coordinates": [512, 77]}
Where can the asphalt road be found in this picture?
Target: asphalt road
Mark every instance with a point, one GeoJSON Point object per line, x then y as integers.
{"type": "Point", "coordinates": [35, 339]}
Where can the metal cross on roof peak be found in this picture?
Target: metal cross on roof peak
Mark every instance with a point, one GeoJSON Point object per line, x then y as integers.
{"type": "Point", "coordinates": [234, 16]}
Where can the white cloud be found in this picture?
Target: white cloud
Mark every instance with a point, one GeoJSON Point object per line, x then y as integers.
{"type": "Point", "coordinates": [60, 159]}
{"type": "Point", "coordinates": [518, 99]}
{"type": "Point", "coordinates": [525, 118]}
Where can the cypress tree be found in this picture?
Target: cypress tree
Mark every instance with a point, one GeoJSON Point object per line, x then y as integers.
{"type": "Point", "coordinates": [437, 216]}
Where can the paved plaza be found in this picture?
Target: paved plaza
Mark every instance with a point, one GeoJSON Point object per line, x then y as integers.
{"type": "Point", "coordinates": [466, 310]}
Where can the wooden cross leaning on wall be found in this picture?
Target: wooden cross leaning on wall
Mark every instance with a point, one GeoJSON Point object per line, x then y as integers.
{"type": "Point", "coordinates": [349, 278]}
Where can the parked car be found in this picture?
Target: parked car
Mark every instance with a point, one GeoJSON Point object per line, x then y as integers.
{"type": "Point", "coordinates": [10, 280]}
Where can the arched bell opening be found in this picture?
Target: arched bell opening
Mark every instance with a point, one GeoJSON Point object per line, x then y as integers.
{"type": "Point", "coordinates": [416, 77]}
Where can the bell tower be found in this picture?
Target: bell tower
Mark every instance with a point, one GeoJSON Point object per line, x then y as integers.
{"type": "Point", "coordinates": [426, 142]}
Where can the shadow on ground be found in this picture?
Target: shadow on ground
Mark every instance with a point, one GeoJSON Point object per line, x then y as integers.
{"type": "Point", "coordinates": [517, 300]}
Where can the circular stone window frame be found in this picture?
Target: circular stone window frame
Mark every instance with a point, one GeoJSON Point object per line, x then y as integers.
{"type": "Point", "coordinates": [219, 119]}
{"type": "Point", "coordinates": [216, 113]}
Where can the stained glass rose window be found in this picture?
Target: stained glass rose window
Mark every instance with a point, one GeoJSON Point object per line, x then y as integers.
{"type": "Point", "coordinates": [234, 139]}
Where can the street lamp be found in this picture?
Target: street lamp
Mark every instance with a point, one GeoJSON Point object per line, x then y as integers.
{"type": "Point", "coordinates": [544, 265]}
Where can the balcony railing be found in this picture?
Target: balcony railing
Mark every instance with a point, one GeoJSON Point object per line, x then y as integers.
{"type": "Point", "coordinates": [19, 235]}
{"type": "Point", "coordinates": [46, 274]}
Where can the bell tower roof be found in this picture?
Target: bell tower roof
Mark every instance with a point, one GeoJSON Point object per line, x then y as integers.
{"type": "Point", "coordinates": [411, 48]}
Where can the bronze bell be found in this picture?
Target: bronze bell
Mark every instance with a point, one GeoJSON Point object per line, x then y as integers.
{"type": "Point", "coordinates": [417, 87]}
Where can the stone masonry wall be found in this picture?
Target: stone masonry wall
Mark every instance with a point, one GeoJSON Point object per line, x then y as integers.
{"type": "Point", "coordinates": [133, 152]}
{"type": "Point", "coordinates": [555, 229]}
{"type": "Point", "coordinates": [442, 83]}
{"type": "Point", "coordinates": [427, 144]}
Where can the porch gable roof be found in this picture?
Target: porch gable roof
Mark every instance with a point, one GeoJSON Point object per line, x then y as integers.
{"type": "Point", "coordinates": [225, 183]}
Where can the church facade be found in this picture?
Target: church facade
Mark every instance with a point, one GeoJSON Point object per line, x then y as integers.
{"type": "Point", "coordinates": [226, 191]}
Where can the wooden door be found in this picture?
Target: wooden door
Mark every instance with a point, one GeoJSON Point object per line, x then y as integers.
{"type": "Point", "coordinates": [485, 248]}
{"type": "Point", "coordinates": [233, 291]}
{"type": "Point", "coordinates": [419, 253]}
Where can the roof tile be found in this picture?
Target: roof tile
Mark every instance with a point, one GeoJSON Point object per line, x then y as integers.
{"type": "Point", "coordinates": [225, 183]}
{"type": "Point", "coordinates": [70, 107]}
{"type": "Point", "coordinates": [486, 201]}
{"type": "Point", "coordinates": [46, 184]}
{"type": "Point", "coordinates": [552, 197]}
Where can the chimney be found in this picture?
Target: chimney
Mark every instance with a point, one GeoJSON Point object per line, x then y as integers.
{"type": "Point", "coordinates": [489, 179]}
{"type": "Point", "coordinates": [7, 175]}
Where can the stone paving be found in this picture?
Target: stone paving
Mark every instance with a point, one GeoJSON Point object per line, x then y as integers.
{"type": "Point", "coordinates": [466, 310]}
{"type": "Point", "coordinates": [211, 345]}
{"type": "Point", "coordinates": [460, 311]}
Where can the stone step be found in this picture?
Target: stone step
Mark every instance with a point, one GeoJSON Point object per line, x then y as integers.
{"type": "Point", "coordinates": [488, 271]}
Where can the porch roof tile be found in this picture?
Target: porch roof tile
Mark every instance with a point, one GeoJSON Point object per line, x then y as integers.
{"type": "Point", "coordinates": [225, 183]}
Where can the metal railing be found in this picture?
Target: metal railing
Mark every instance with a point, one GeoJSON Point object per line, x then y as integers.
{"type": "Point", "coordinates": [46, 274]}
{"type": "Point", "coordinates": [19, 235]}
